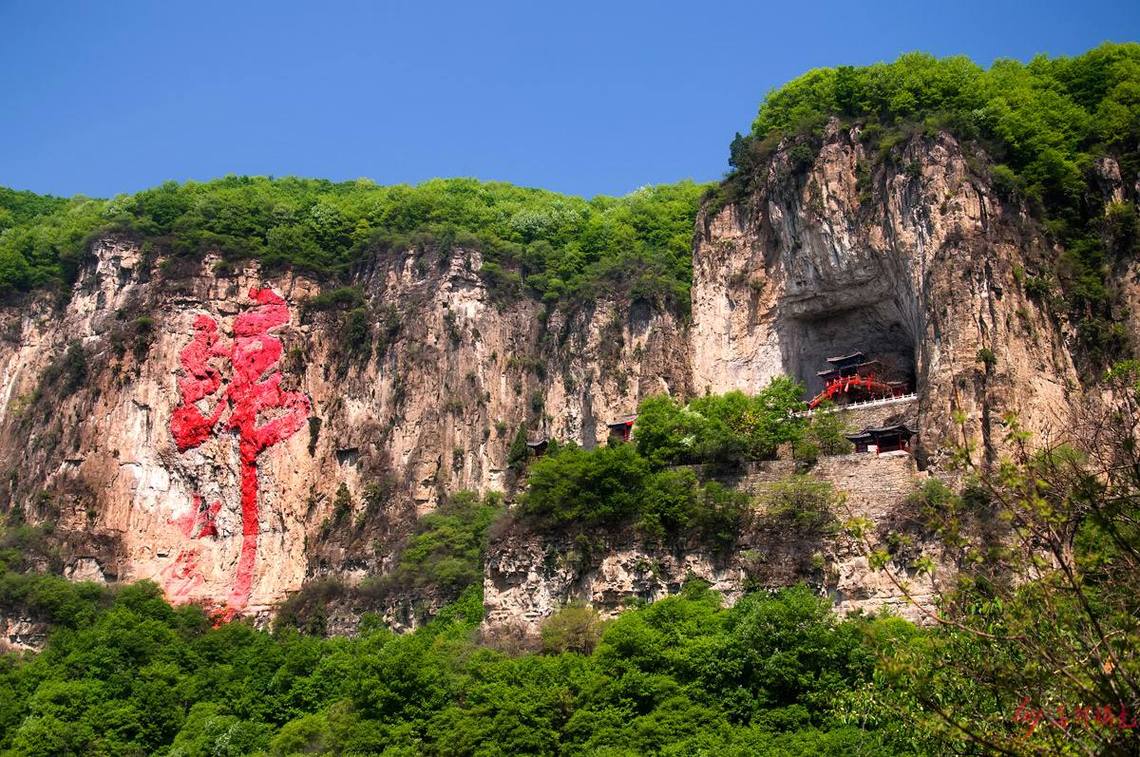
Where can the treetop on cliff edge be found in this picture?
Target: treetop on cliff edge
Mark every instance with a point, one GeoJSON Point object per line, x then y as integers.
{"type": "Point", "coordinates": [1044, 127]}
{"type": "Point", "coordinates": [557, 246]}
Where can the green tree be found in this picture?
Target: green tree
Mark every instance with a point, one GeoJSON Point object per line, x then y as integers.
{"type": "Point", "coordinates": [825, 434]}
{"type": "Point", "coordinates": [722, 428]}
{"type": "Point", "coordinates": [1041, 624]}
{"type": "Point", "coordinates": [802, 503]}
{"type": "Point", "coordinates": [586, 487]}
{"type": "Point", "coordinates": [518, 453]}
{"type": "Point", "coordinates": [573, 628]}
{"type": "Point", "coordinates": [667, 432]}
{"type": "Point", "coordinates": [447, 549]}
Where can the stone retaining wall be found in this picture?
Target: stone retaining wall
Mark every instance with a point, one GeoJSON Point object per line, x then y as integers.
{"type": "Point", "coordinates": [528, 576]}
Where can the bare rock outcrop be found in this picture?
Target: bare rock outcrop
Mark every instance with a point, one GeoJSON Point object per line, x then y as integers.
{"type": "Point", "coordinates": [912, 259]}
{"type": "Point", "coordinates": [421, 400]}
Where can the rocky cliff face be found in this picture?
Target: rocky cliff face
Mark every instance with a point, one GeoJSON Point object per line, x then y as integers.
{"type": "Point", "coordinates": [426, 402]}
{"type": "Point", "coordinates": [379, 408]}
{"type": "Point", "coordinates": [912, 259]}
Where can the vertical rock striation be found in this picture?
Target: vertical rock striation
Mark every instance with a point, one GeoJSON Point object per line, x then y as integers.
{"type": "Point", "coordinates": [425, 403]}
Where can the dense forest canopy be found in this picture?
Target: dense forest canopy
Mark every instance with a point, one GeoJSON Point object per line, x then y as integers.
{"type": "Point", "coordinates": [556, 245]}
{"type": "Point", "coordinates": [1047, 120]}
{"type": "Point", "coordinates": [1046, 116]}
{"type": "Point", "coordinates": [126, 674]}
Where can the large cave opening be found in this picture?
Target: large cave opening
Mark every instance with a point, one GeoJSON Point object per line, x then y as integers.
{"type": "Point", "coordinates": [883, 331]}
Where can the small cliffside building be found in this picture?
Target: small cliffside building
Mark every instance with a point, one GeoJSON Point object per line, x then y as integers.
{"type": "Point", "coordinates": [622, 428]}
{"type": "Point", "coordinates": [883, 439]}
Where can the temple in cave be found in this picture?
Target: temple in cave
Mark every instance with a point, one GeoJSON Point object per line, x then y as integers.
{"type": "Point", "coordinates": [852, 379]}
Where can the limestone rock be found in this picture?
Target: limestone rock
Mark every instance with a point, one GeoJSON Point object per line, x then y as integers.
{"type": "Point", "coordinates": [913, 259]}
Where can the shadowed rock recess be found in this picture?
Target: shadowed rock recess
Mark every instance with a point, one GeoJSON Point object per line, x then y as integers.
{"type": "Point", "coordinates": [911, 259]}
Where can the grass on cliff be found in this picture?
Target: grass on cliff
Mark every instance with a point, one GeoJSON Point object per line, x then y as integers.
{"type": "Point", "coordinates": [1043, 125]}
{"type": "Point", "coordinates": [556, 246]}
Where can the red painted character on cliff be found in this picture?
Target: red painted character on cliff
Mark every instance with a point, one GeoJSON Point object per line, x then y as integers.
{"type": "Point", "coordinates": [250, 395]}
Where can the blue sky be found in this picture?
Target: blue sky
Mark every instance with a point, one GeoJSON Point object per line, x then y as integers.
{"type": "Point", "coordinates": [584, 97]}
